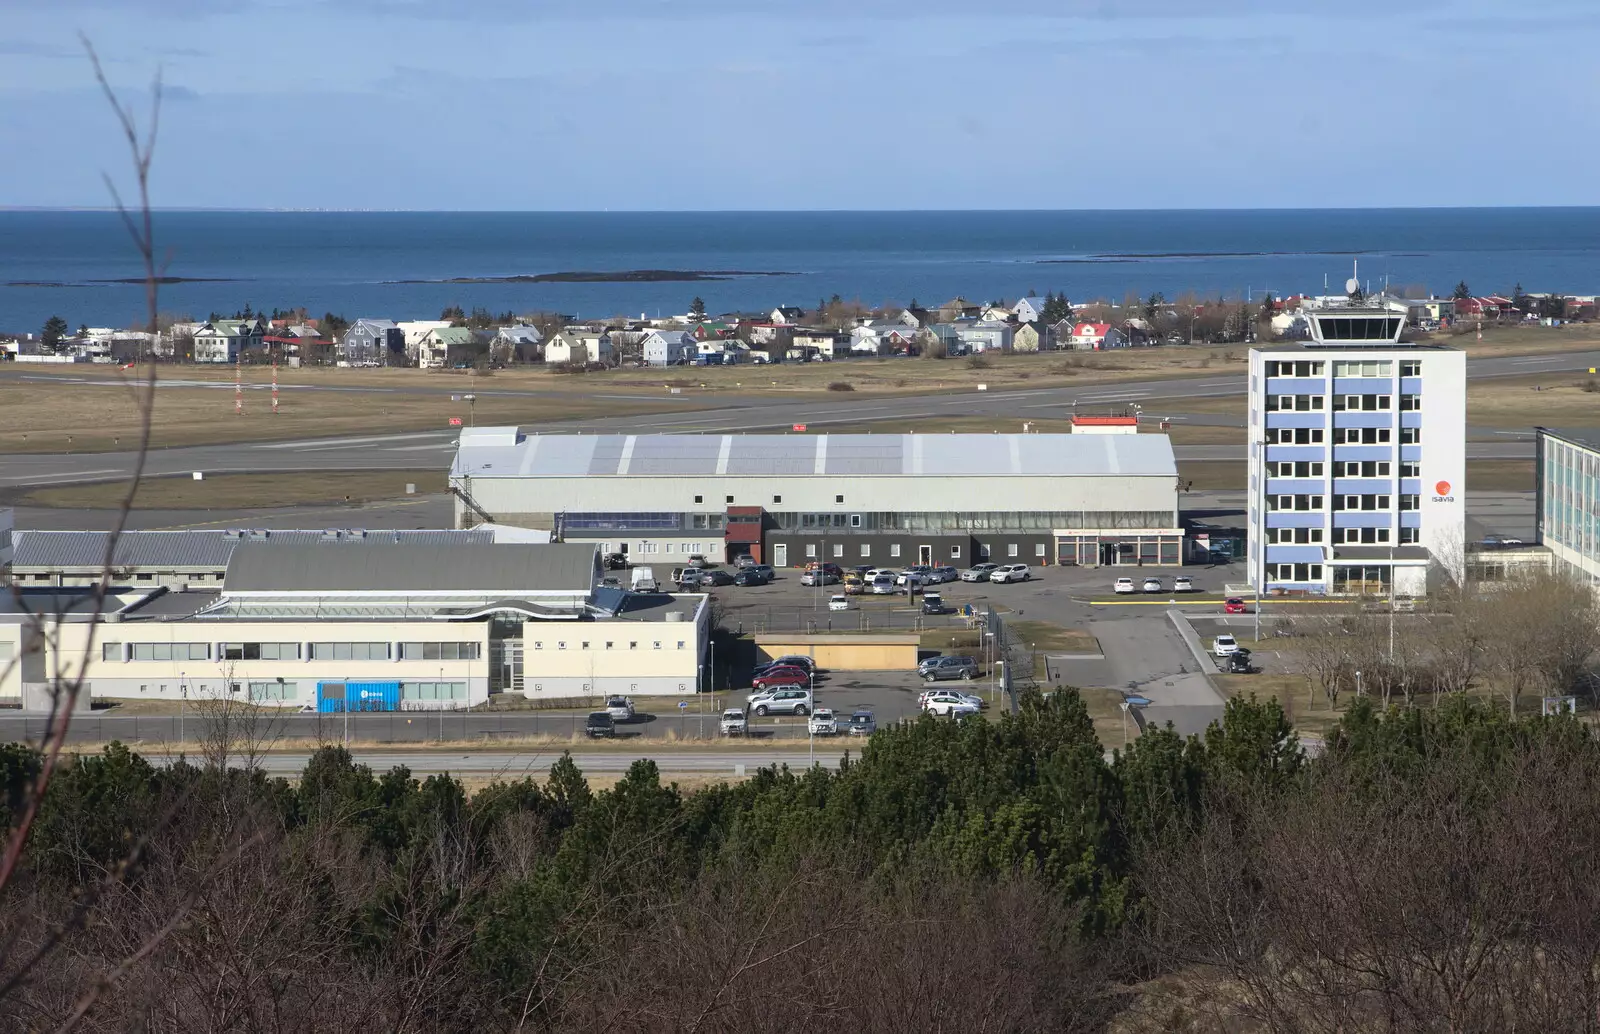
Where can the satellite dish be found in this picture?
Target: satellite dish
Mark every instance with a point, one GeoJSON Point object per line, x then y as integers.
{"type": "Point", "coordinates": [1352, 285]}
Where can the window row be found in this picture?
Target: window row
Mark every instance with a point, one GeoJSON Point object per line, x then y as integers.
{"type": "Point", "coordinates": [1294, 435]}
{"type": "Point", "coordinates": [349, 651]}
{"type": "Point", "coordinates": [433, 691]}
{"type": "Point", "coordinates": [157, 652]}
{"type": "Point", "coordinates": [274, 691]}
{"type": "Point", "coordinates": [1294, 469]}
{"type": "Point", "coordinates": [1371, 501]}
{"type": "Point", "coordinates": [1361, 536]}
{"type": "Point", "coordinates": [1296, 368]}
{"type": "Point", "coordinates": [1364, 368]}
{"type": "Point", "coordinates": [1294, 536]}
{"type": "Point", "coordinates": [1294, 572]}
{"type": "Point", "coordinates": [438, 651]}
{"type": "Point", "coordinates": [1375, 435]}
{"type": "Point", "coordinates": [1361, 469]}
{"type": "Point", "coordinates": [1294, 502]}
{"type": "Point", "coordinates": [610, 644]}
{"type": "Point", "coordinates": [1362, 403]}
{"type": "Point", "coordinates": [1295, 403]}
{"type": "Point", "coordinates": [261, 651]}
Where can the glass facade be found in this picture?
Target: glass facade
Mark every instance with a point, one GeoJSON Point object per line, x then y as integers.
{"type": "Point", "coordinates": [1569, 499]}
{"type": "Point", "coordinates": [955, 522]}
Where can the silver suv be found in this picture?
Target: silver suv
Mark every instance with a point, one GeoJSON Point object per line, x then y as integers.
{"type": "Point", "coordinates": [784, 700]}
{"type": "Point", "coordinates": [943, 669]}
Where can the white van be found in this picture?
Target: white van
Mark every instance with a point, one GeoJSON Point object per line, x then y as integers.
{"type": "Point", "coordinates": [644, 580]}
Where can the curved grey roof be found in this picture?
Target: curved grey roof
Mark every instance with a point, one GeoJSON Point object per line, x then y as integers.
{"type": "Point", "coordinates": [823, 455]}
{"type": "Point", "coordinates": [202, 548]}
{"type": "Point", "coordinates": [496, 570]}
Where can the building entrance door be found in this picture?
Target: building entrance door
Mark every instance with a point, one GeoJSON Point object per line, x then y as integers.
{"type": "Point", "coordinates": [925, 555]}
{"type": "Point", "coordinates": [1108, 554]}
{"type": "Point", "coordinates": [780, 554]}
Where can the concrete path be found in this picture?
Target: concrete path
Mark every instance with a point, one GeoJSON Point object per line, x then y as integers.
{"type": "Point", "coordinates": [1147, 656]}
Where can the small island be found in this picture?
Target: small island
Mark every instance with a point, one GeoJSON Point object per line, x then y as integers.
{"type": "Point", "coordinates": [621, 276]}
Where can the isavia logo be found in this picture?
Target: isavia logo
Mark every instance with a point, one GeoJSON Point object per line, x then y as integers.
{"type": "Point", "coordinates": [1443, 490]}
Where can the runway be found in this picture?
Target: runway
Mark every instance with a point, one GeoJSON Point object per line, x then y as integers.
{"type": "Point", "coordinates": [722, 414]}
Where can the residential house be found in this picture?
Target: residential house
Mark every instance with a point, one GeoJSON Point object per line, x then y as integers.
{"type": "Point", "coordinates": [957, 308]}
{"type": "Point", "coordinates": [711, 330]}
{"type": "Point", "coordinates": [1028, 337]}
{"type": "Point", "coordinates": [1000, 312]}
{"type": "Point", "coordinates": [518, 341]}
{"type": "Point", "coordinates": [1089, 336]}
{"type": "Point", "coordinates": [722, 352]}
{"type": "Point", "coordinates": [971, 336]}
{"type": "Point", "coordinates": [669, 348]}
{"type": "Point", "coordinates": [881, 337]}
{"type": "Point", "coordinates": [787, 315]}
{"type": "Point", "coordinates": [579, 346]}
{"type": "Point", "coordinates": [415, 331]}
{"type": "Point", "coordinates": [1029, 310]}
{"type": "Point", "coordinates": [434, 350]}
{"type": "Point", "coordinates": [224, 341]}
{"type": "Point", "coordinates": [372, 342]}
{"type": "Point", "coordinates": [819, 342]}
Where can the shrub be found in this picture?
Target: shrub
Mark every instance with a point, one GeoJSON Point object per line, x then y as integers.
{"type": "Point", "coordinates": [1591, 386]}
{"type": "Point", "coordinates": [979, 362]}
{"type": "Point", "coordinates": [841, 386]}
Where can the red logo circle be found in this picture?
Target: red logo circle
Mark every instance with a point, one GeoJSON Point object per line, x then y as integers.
{"type": "Point", "coordinates": [1442, 488]}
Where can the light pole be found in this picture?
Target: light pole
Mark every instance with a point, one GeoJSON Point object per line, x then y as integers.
{"type": "Point", "coordinates": [811, 730]}
{"type": "Point", "coordinates": [182, 696]}
{"type": "Point", "coordinates": [1260, 442]}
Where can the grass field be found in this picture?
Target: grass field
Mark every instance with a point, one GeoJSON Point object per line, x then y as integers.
{"type": "Point", "coordinates": [243, 491]}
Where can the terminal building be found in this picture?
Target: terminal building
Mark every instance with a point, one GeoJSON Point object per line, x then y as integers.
{"type": "Point", "coordinates": [880, 499]}
{"type": "Point", "coordinates": [1357, 457]}
{"type": "Point", "coordinates": [423, 625]}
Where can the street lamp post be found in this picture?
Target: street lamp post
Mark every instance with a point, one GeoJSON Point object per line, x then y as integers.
{"type": "Point", "coordinates": [811, 730]}
{"type": "Point", "coordinates": [183, 695]}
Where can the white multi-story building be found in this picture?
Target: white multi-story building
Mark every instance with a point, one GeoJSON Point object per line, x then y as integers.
{"type": "Point", "coordinates": [1357, 457]}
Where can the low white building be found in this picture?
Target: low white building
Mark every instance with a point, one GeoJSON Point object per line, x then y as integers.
{"type": "Point", "coordinates": [669, 348]}
{"type": "Point", "coordinates": [578, 345]}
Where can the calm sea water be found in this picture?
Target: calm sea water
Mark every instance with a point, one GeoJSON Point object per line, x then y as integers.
{"type": "Point", "coordinates": [344, 262]}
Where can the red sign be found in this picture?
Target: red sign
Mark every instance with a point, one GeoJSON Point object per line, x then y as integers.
{"type": "Point", "coordinates": [799, 427]}
{"type": "Point", "coordinates": [1443, 488]}
{"type": "Point", "coordinates": [455, 421]}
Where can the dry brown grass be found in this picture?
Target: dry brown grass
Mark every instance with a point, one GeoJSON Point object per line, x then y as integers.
{"type": "Point", "coordinates": [244, 491]}
{"type": "Point", "coordinates": [1521, 403]}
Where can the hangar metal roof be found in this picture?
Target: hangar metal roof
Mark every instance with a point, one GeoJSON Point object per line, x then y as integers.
{"type": "Point", "coordinates": [823, 455]}
{"type": "Point", "coordinates": [419, 570]}
{"type": "Point", "coordinates": [60, 550]}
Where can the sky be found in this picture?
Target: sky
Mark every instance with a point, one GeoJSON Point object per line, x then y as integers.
{"type": "Point", "coordinates": [809, 104]}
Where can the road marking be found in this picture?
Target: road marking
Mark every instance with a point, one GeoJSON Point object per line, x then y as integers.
{"type": "Point", "coordinates": [330, 442]}
{"type": "Point", "coordinates": [65, 474]}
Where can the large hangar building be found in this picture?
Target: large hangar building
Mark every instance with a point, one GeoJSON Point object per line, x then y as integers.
{"type": "Point", "coordinates": [885, 499]}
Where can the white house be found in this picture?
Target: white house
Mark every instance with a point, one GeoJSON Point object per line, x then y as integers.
{"type": "Point", "coordinates": [998, 313]}
{"type": "Point", "coordinates": [1029, 310]}
{"type": "Point", "coordinates": [579, 345]}
{"type": "Point", "coordinates": [221, 341]}
{"type": "Point", "coordinates": [820, 342]}
{"type": "Point", "coordinates": [1089, 335]}
{"type": "Point", "coordinates": [881, 337]}
{"type": "Point", "coordinates": [415, 331]}
{"type": "Point", "coordinates": [787, 315]}
{"type": "Point", "coordinates": [508, 340]}
{"type": "Point", "coordinates": [433, 351]}
{"type": "Point", "coordinates": [669, 348]}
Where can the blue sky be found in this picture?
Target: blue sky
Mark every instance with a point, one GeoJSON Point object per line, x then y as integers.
{"type": "Point", "coordinates": [828, 104]}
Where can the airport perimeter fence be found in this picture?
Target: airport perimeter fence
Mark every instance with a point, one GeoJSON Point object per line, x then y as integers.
{"type": "Point", "coordinates": [699, 721]}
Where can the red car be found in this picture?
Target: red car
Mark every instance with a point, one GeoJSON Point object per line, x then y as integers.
{"type": "Point", "coordinates": [780, 677]}
{"type": "Point", "coordinates": [1234, 605]}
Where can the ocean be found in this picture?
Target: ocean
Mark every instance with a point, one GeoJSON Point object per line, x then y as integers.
{"type": "Point", "coordinates": [357, 263]}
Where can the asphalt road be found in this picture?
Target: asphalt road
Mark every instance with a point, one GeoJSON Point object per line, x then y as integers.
{"type": "Point", "coordinates": [719, 414]}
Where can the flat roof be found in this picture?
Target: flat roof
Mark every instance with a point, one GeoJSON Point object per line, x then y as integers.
{"type": "Point", "coordinates": [503, 570]}
{"type": "Point", "coordinates": [209, 548]}
{"type": "Point", "coordinates": [1585, 437]}
{"type": "Point", "coordinates": [821, 455]}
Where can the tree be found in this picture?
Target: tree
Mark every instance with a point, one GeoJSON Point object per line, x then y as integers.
{"type": "Point", "coordinates": [1056, 308]}
{"type": "Point", "coordinates": [697, 309]}
{"type": "Point", "coordinates": [55, 328]}
{"type": "Point", "coordinates": [453, 313]}
{"type": "Point", "coordinates": [1462, 291]}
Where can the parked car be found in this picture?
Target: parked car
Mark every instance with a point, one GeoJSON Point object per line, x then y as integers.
{"type": "Point", "coordinates": [825, 574]}
{"type": "Point", "coordinates": [1234, 605]}
{"type": "Point", "coordinates": [943, 669]}
{"type": "Point", "coordinates": [784, 676]}
{"type": "Point", "coordinates": [1152, 585]}
{"type": "Point", "coordinates": [688, 577]}
{"type": "Point", "coordinates": [733, 722]}
{"type": "Point", "coordinates": [1181, 584]}
{"type": "Point", "coordinates": [1238, 663]}
{"type": "Point", "coordinates": [744, 560]}
{"type": "Point", "coordinates": [789, 660]}
{"type": "Point", "coordinates": [620, 709]}
{"type": "Point", "coordinates": [853, 585]}
{"type": "Point", "coordinates": [933, 603]}
{"type": "Point", "coordinates": [838, 603]}
{"type": "Point", "coordinates": [717, 577]}
{"type": "Point", "coordinates": [1124, 585]}
{"type": "Point", "coordinates": [823, 723]}
{"type": "Point", "coordinates": [787, 700]}
{"type": "Point", "coordinates": [862, 723]}
{"type": "Point", "coordinates": [1224, 645]}
{"type": "Point", "coordinates": [944, 574]}
{"type": "Point", "coordinates": [923, 571]}
{"type": "Point", "coordinates": [909, 582]}
{"type": "Point", "coordinates": [949, 705]}
{"type": "Point", "coordinates": [697, 560]}
{"type": "Point", "coordinates": [972, 698]}
{"type": "Point", "coordinates": [644, 580]}
{"type": "Point", "coordinates": [600, 724]}
{"type": "Point", "coordinates": [978, 572]}
{"type": "Point", "coordinates": [751, 576]}
{"type": "Point", "coordinates": [883, 585]}
{"type": "Point", "coordinates": [1010, 573]}
{"type": "Point", "coordinates": [616, 561]}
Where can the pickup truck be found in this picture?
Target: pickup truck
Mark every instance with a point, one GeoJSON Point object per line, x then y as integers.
{"type": "Point", "coordinates": [733, 722]}
{"type": "Point", "coordinates": [823, 723]}
{"type": "Point", "coordinates": [620, 709]}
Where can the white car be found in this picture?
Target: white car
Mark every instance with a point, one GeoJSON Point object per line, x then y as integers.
{"type": "Point", "coordinates": [1124, 585]}
{"type": "Point", "coordinates": [733, 722]}
{"type": "Point", "coordinates": [1152, 585]}
{"type": "Point", "coordinates": [620, 709]}
{"type": "Point", "coordinates": [883, 585]}
{"type": "Point", "coordinates": [972, 698]}
{"type": "Point", "coordinates": [1010, 573]}
{"type": "Point", "coordinates": [1224, 645]}
{"type": "Point", "coordinates": [978, 573]}
{"type": "Point", "coordinates": [948, 704]}
{"type": "Point", "coordinates": [838, 603]}
{"type": "Point", "coordinates": [1182, 585]}
{"type": "Point", "coordinates": [823, 723]}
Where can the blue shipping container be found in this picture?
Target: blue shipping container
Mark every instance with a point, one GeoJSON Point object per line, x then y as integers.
{"type": "Point", "coordinates": [335, 697]}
